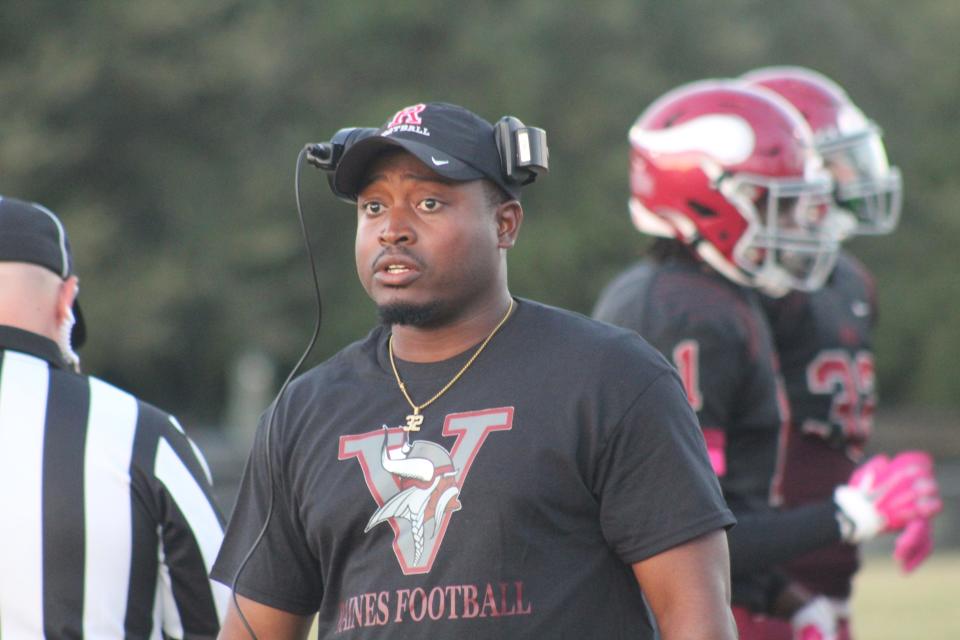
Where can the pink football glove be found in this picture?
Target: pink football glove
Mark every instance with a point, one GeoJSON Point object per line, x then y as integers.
{"type": "Point", "coordinates": [914, 544]}
{"type": "Point", "coordinates": [885, 494]}
{"type": "Point", "coordinates": [815, 620]}
{"type": "Point", "coordinates": [919, 500]}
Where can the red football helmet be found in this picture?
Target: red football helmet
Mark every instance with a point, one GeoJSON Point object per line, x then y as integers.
{"type": "Point", "coordinates": [850, 144]}
{"type": "Point", "coordinates": [732, 172]}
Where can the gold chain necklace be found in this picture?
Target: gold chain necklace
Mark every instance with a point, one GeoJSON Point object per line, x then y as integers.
{"type": "Point", "coordinates": [415, 419]}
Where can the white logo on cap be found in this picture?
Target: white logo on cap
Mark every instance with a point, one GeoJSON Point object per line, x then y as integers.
{"type": "Point", "coordinates": [407, 128]}
{"type": "Point", "coordinates": [439, 163]}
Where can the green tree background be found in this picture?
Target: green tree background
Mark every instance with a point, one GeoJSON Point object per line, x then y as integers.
{"type": "Point", "coordinates": [165, 135]}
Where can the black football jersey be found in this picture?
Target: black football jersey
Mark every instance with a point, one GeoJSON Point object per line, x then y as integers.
{"type": "Point", "coordinates": [715, 334]}
{"type": "Point", "coordinates": [826, 357]}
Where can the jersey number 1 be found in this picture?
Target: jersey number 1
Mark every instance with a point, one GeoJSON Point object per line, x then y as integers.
{"type": "Point", "coordinates": [686, 358]}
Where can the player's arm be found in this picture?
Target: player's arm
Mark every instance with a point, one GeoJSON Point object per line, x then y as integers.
{"type": "Point", "coordinates": [766, 539]}
{"type": "Point", "coordinates": [266, 622]}
{"type": "Point", "coordinates": [882, 495]}
{"type": "Point", "coordinates": [688, 589]}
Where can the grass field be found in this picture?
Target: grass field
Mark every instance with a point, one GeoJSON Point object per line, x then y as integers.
{"type": "Point", "coordinates": [924, 605]}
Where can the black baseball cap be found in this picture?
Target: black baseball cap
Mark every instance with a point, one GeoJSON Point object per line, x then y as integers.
{"type": "Point", "coordinates": [453, 141]}
{"type": "Point", "coordinates": [30, 232]}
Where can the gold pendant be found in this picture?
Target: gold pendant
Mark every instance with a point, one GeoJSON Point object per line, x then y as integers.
{"type": "Point", "coordinates": [414, 420]}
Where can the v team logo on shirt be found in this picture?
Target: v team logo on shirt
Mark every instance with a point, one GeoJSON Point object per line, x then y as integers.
{"type": "Point", "coordinates": [416, 485]}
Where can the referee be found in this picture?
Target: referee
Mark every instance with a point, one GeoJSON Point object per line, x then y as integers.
{"type": "Point", "coordinates": [107, 523]}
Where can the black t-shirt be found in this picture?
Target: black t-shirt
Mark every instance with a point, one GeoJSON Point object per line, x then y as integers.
{"type": "Point", "coordinates": [565, 453]}
{"type": "Point", "coordinates": [825, 346]}
{"type": "Point", "coordinates": [718, 339]}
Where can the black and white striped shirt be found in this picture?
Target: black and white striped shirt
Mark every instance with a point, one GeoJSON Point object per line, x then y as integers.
{"type": "Point", "coordinates": [108, 527]}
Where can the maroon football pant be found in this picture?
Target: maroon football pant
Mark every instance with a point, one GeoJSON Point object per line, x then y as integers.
{"type": "Point", "coordinates": [752, 626]}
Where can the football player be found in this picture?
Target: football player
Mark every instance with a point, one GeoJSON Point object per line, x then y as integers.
{"type": "Point", "coordinates": [824, 338]}
{"type": "Point", "coordinates": [728, 179]}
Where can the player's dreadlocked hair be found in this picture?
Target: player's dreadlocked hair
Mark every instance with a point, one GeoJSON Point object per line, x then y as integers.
{"type": "Point", "coordinates": [666, 249]}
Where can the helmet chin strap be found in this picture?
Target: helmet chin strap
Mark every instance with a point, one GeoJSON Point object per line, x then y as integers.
{"type": "Point", "coordinates": [772, 283]}
{"type": "Point", "coordinates": [648, 222]}
{"type": "Point", "coordinates": [712, 256]}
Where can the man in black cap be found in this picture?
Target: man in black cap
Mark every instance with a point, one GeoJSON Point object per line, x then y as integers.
{"type": "Point", "coordinates": [33, 235]}
{"type": "Point", "coordinates": [480, 466]}
{"type": "Point", "coordinates": [107, 522]}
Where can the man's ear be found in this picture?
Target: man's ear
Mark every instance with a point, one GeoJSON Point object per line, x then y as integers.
{"type": "Point", "coordinates": [509, 218]}
{"type": "Point", "coordinates": [68, 293]}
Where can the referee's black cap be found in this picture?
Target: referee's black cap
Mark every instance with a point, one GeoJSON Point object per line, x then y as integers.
{"type": "Point", "coordinates": [451, 140]}
{"type": "Point", "coordinates": [30, 232]}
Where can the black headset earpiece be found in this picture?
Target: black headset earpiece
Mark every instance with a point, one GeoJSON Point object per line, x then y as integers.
{"type": "Point", "coordinates": [523, 150]}
{"type": "Point", "coordinates": [326, 155]}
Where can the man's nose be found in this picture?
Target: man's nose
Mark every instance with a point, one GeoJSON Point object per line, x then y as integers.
{"type": "Point", "coordinates": [396, 228]}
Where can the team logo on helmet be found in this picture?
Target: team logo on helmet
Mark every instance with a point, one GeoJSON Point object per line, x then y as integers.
{"type": "Point", "coordinates": [417, 485]}
{"type": "Point", "coordinates": [728, 138]}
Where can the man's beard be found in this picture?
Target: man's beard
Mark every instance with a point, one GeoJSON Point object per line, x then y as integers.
{"type": "Point", "coordinates": [414, 315]}
{"type": "Point", "coordinates": [66, 348]}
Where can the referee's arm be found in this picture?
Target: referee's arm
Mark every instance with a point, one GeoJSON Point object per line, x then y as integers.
{"type": "Point", "coordinates": [191, 530]}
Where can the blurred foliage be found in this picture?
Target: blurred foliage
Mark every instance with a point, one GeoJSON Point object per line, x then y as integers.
{"type": "Point", "coordinates": [165, 135]}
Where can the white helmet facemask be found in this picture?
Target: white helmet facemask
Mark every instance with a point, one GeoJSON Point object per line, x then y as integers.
{"type": "Point", "coordinates": [866, 185]}
{"type": "Point", "coordinates": [794, 233]}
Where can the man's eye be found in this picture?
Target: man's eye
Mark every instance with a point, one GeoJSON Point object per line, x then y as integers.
{"type": "Point", "coordinates": [430, 204]}
{"type": "Point", "coordinates": [372, 208]}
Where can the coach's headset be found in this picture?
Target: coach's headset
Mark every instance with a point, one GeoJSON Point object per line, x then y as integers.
{"type": "Point", "coordinates": [523, 152]}
{"type": "Point", "coordinates": [523, 157]}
